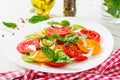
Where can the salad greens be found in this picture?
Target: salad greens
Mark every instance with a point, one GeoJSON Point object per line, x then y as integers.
{"type": "Point", "coordinates": [113, 7]}
{"type": "Point", "coordinates": [55, 36]}
{"type": "Point", "coordinates": [62, 23]}
{"type": "Point", "coordinates": [71, 38]}
{"type": "Point", "coordinates": [10, 24]}
{"type": "Point", "coordinates": [53, 23]}
{"type": "Point", "coordinates": [68, 38]}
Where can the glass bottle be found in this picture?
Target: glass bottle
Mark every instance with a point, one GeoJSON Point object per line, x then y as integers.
{"type": "Point", "coordinates": [110, 11]}
{"type": "Point", "coordinates": [69, 7]}
{"type": "Point", "coordinates": [43, 7]}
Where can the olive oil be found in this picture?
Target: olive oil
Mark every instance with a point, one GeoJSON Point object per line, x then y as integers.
{"type": "Point", "coordinates": [43, 7]}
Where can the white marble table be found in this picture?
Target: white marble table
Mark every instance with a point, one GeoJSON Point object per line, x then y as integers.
{"type": "Point", "coordinates": [13, 10]}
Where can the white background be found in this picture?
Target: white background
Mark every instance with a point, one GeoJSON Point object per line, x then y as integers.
{"type": "Point", "coordinates": [13, 10]}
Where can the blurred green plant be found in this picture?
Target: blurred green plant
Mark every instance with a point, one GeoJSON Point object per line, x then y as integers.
{"type": "Point", "coordinates": [113, 7]}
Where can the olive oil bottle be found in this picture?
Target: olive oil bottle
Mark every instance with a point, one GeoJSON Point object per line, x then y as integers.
{"type": "Point", "coordinates": [43, 7]}
{"type": "Point", "coordinates": [69, 7]}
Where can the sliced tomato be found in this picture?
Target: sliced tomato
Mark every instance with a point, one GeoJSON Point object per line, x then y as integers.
{"type": "Point", "coordinates": [39, 56]}
{"type": "Point", "coordinates": [73, 52]}
{"type": "Point", "coordinates": [62, 31]}
{"type": "Point", "coordinates": [94, 45]}
{"type": "Point", "coordinates": [81, 58]}
{"type": "Point", "coordinates": [59, 42]}
{"type": "Point", "coordinates": [23, 47]}
{"type": "Point", "coordinates": [81, 46]}
{"type": "Point", "coordinates": [53, 64]}
{"type": "Point", "coordinates": [66, 50]}
{"type": "Point", "coordinates": [91, 34]}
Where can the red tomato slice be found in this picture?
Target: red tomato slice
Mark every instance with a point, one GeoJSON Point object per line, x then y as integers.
{"type": "Point", "coordinates": [53, 64]}
{"type": "Point", "coordinates": [91, 34]}
{"type": "Point", "coordinates": [62, 31]}
{"type": "Point", "coordinates": [23, 47]}
{"type": "Point", "coordinates": [59, 42]}
{"type": "Point", "coordinates": [81, 58]}
{"type": "Point", "coordinates": [74, 52]}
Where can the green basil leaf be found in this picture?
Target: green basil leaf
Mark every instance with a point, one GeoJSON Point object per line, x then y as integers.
{"type": "Point", "coordinates": [10, 24]}
{"type": "Point", "coordinates": [64, 58]}
{"type": "Point", "coordinates": [71, 38]}
{"type": "Point", "coordinates": [55, 36]}
{"type": "Point", "coordinates": [61, 56]}
{"type": "Point", "coordinates": [53, 23]}
{"type": "Point", "coordinates": [36, 19]}
{"type": "Point", "coordinates": [65, 23]}
{"type": "Point", "coordinates": [48, 52]}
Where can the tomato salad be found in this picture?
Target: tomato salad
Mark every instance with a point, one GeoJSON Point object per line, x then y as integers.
{"type": "Point", "coordinates": [60, 44]}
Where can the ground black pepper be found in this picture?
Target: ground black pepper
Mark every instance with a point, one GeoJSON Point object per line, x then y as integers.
{"type": "Point", "coordinates": [69, 8]}
{"type": "Point", "coordinates": [23, 21]}
{"type": "Point", "coordinates": [3, 35]}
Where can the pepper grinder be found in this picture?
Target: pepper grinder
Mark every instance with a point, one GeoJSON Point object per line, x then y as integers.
{"type": "Point", "coordinates": [69, 7]}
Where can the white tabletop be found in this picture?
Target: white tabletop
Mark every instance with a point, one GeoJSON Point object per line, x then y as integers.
{"type": "Point", "coordinates": [13, 10]}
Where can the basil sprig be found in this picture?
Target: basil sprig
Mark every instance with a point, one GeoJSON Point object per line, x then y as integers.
{"type": "Point", "coordinates": [58, 56]}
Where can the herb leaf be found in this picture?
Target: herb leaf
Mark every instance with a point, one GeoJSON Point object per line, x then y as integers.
{"type": "Point", "coordinates": [58, 56]}
{"type": "Point", "coordinates": [62, 23]}
{"type": "Point", "coordinates": [48, 52]}
{"type": "Point", "coordinates": [10, 24]}
{"type": "Point", "coordinates": [55, 36]}
{"type": "Point", "coordinates": [36, 19]}
{"type": "Point", "coordinates": [53, 23]}
{"type": "Point", "coordinates": [71, 38]}
{"type": "Point", "coordinates": [65, 23]}
{"type": "Point", "coordinates": [68, 38]}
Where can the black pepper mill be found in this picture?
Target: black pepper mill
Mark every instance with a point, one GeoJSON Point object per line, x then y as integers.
{"type": "Point", "coordinates": [69, 8]}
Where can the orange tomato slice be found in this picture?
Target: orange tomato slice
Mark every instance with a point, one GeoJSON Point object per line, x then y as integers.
{"type": "Point", "coordinates": [89, 44]}
{"type": "Point", "coordinates": [81, 46]}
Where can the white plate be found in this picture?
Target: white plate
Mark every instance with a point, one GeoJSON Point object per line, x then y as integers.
{"type": "Point", "coordinates": [106, 43]}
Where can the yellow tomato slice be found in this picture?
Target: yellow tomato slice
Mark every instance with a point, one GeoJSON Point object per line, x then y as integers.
{"type": "Point", "coordinates": [57, 47]}
{"type": "Point", "coordinates": [94, 45]}
{"type": "Point", "coordinates": [39, 56]}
